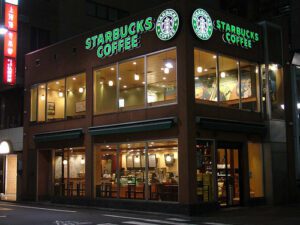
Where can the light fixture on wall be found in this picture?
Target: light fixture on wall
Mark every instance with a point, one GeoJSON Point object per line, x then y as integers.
{"type": "Point", "coordinates": [60, 94]}
{"type": "Point", "coordinates": [136, 77]}
{"type": "Point", "coordinates": [82, 161]}
{"type": "Point", "coordinates": [169, 65]}
{"type": "Point", "coordinates": [166, 70]}
{"type": "Point", "coordinates": [65, 162]}
{"type": "Point", "coordinates": [110, 83]}
{"type": "Point", "coordinates": [199, 69]}
{"type": "Point", "coordinates": [81, 90]}
{"type": "Point", "coordinates": [169, 159]}
{"type": "Point", "coordinates": [74, 78]}
{"type": "Point", "coordinates": [121, 102]}
{"type": "Point", "coordinates": [43, 97]}
{"type": "Point", "coordinates": [223, 74]}
{"type": "Point", "coordinates": [137, 159]}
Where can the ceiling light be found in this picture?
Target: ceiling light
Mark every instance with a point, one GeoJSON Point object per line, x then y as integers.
{"type": "Point", "coordinates": [166, 70]}
{"type": "Point", "coordinates": [134, 63]}
{"type": "Point", "coordinates": [162, 69]}
{"type": "Point", "coordinates": [196, 78]}
{"type": "Point", "coordinates": [168, 158]}
{"type": "Point", "coordinates": [80, 90]}
{"type": "Point", "coordinates": [42, 86]}
{"type": "Point", "coordinates": [143, 82]}
{"type": "Point", "coordinates": [110, 83]}
{"type": "Point", "coordinates": [101, 82]}
{"type": "Point", "coordinates": [169, 65]}
{"type": "Point", "coordinates": [74, 78]}
{"type": "Point", "coordinates": [164, 78]}
{"type": "Point", "coordinates": [214, 56]}
{"type": "Point", "coordinates": [112, 68]}
{"type": "Point", "coordinates": [57, 82]}
{"type": "Point", "coordinates": [124, 86]}
{"type": "Point", "coordinates": [205, 70]}
{"type": "Point", "coordinates": [223, 74]}
{"type": "Point", "coordinates": [199, 69]}
{"type": "Point", "coordinates": [136, 77]}
{"type": "Point", "coordinates": [60, 94]}
{"type": "Point", "coordinates": [120, 78]}
{"type": "Point", "coordinates": [82, 161]}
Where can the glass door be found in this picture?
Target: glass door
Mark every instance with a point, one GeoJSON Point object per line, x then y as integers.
{"type": "Point", "coordinates": [228, 176]}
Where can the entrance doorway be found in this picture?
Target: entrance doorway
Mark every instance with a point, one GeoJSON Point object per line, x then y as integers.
{"type": "Point", "coordinates": [228, 176]}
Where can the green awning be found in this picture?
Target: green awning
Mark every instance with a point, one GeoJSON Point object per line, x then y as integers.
{"type": "Point", "coordinates": [132, 127]}
{"type": "Point", "coordinates": [58, 135]}
{"type": "Point", "coordinates": [231, 126]}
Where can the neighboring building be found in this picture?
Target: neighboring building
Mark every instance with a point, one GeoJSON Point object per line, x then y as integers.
{"type": "Point", "coordinates": [156, 117]}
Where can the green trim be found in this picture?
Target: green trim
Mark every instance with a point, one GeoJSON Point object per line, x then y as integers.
{"type": "Point", "coordinates": [58, 135]}
{"type": "Point", "coordinates": [147, 125]}
{"type": "Point", "coordinates": [233, 126]}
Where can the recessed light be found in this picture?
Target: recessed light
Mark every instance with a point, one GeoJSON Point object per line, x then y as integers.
{"type": "Point", "coordinates": [57, 82]}
{"type": "Point", "coordinates": [112, 68]}
{"type": "Point", "coordinates": [164, 78]}
{"type": "Point", "coordinates": [74, 78]}
{"type": "Point", "coordinates": [134, 63]}
{"type": "Point", "coordinates": [124, 86]}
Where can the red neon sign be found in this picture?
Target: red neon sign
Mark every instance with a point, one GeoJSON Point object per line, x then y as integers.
{"type": "Point", "coordinates": [10, 44]}
{"type": "Point", "coordinates": [11, 17]}
{"type": "Point", "coordinates": [9, 71]}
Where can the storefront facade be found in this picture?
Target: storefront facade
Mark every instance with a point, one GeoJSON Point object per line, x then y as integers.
{"type": "Point", "coordinates": [166, 107]}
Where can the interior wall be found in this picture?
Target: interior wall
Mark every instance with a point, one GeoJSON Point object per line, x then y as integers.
{"type": "Point", "coordinates": [11, 175]}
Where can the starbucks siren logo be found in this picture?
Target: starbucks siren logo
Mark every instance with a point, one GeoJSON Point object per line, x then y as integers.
{"type": "Point", "coordinates": [167, 24]}
{"type": "Point", "coordinates": [202, 24]}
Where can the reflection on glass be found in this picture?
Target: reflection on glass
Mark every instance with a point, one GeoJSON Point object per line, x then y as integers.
{"type": "Point", "coordinates": [163, 170]}
{"type": "Point", "coordinates": [33, 106]}
{"type": "Point", "coordinates": [56, 100]}
{"type": "Point", "coordinates": [255, 170]}
{"type": "Point", "coordinates": [229, 86]}
{"type": "Point", "coordinates": [106, 171]}
{"type": "Point", "coordinates": [205, 75]}
{"type": "Point", "coordinates": [41, 102]}
{"type": "Point", "coordinates": [204, 152]}
{"type": "Point", "coordinates": [76, 95]}
{"type": "Point", "coordinates": [132, 170]}
{"type": "Point", "coordinates": [161, 78]}
{"type": "Point", "coordinates": [105, 90]}
{"type": "Point", "coordinates": [131, 84]}
{"type": "Point", "coordinates": [249, 85]}
{"type": "Point", "coordinates": [69, 172]}
{"type": "Point", "coordinates": [276, 91]}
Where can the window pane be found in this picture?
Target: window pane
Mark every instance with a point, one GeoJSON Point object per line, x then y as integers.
{"type": "Point", "coordinates": [33, 97]}
{"type": "Point", "coordinates": [205, 76]}
{"type": "Point", "coordinates": [106, 171]}
{"type": "Point", "coordinates": [41, 102]}
{"type": "Point", "coordinates": [105, 90]}
{"type": "Point", "coordinates": [76, 95]}
{"type": "Point", "coordinates": [255, 170]}
{"type": "Point", "coordinates": [163, 170]}
{"type": "Point", "coordinates": [229, 86]}
{"type": "Point", "coordinates": [132, 84]}
{"type": "Point", "coordinates": [59, 173]}
{"type": "Point", "coordinates": [161, 78]}
{"type": "Point", "coordinates": [276, 91]}
{"type": "Point", "coordinates": [205, 191]}
{"type": "Point", "coordinates": [249, 85]}
{"type": "Point", "coordinates": [56, 100]}
{"type": "Point", "coordinates": [132, 170]}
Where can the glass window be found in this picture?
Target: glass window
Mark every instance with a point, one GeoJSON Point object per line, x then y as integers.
{"type": "Point", "coordinates": [205, 76]}
{"type": "Point", "coordinates": [204, 152]}
{"type": "Point", "coordinates": [249, 85]}
{"type": "Point", "coordinates": [105, 90]}
{"type": "Point", "coordinates": [132, 170]}
{"type": "Point", "coordinates": [161, 78]}
{"type": "Point", "coordinates": [69, 172]}
{"type": "Point", "coordinates": [33, 106]}
{"type": "Point", "coordinates": [131, 84]}
{"type": "Point", "coordinates": [106, 171]}
{"type": "Point", "coordinates": [276, 91]}
{"type": "Point", "coordinates": [76, 95]}
{"type": "Point", "coordinates": [41, 102]}
{"type": "Point", "coordinates": [56, 100]}
{"type": "Point", "coordinates": [255, 170]}
{"type": "Point", "coordinates": [163, 170]}
{"type": "Point", "coordinates": [228, 84]}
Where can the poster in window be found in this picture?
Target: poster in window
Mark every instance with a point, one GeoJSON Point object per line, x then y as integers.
{"type": "Point", "coordinates": [51, 108]}
{"type": "Point", "coordinates": [80, 107]}
{"type": "Point", "coordinates": [152, 161]}
{"type": "Point", "coordinates": [129, 161]}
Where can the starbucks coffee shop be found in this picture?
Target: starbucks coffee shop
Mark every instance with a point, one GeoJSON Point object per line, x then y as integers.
{"type": "Point", "coordinates": [162, 110]}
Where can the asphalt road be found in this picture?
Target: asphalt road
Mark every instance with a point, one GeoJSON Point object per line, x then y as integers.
{"type": "Point", "coordinates": [36, 214]}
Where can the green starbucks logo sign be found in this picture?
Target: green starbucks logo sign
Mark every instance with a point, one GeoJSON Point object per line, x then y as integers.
{"type": "Point", "coordinates": [167, 24]}
{"type": "Point", "coordinates": [202, 24]}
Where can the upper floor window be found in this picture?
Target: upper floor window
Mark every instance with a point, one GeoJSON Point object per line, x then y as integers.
{"type": "Point", "coordinates": [225, 81]}
{"type": "Point", "coordinates": [136, 83]}
{"type": "Point", "coordinates": [58, 99]}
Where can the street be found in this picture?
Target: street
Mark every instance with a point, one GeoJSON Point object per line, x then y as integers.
{"type": "Point", "coordinates": [23, 214]}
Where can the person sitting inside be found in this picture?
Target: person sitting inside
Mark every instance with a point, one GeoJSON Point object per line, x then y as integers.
{"type": "Point", "coordinates": [154, 179]}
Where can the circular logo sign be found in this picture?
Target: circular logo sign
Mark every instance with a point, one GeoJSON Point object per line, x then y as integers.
{"type": "Point", "coordinates": [202, 24]}
{"type": "Point", "coordinates": [167, 24]}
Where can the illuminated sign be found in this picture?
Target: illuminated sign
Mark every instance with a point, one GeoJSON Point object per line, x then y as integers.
{"type": "Point", "coordinates": [202, 24]}
{"type": "Point", "coordinates": [9, 71]}
{"type": "Point", "coordinates": [203, 27]}
{"type": "Point", "coordinates": [14, 2]}
{"type": "Point", "coordinates": [167, 24]}
{"type": "Point", "coordinates": [10, 44]}
{"type": "Point", "coordinates": [11, 17]}
{"type": "Point", "coordinates": [5, 147]}
{"type": "Point", "coordinates": [236, 35]}
{"type": "Point", "coordinates": [120, 39]}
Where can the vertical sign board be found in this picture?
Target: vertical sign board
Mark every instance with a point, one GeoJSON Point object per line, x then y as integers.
{"type": "Point", "coordinates": [10, 42]}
